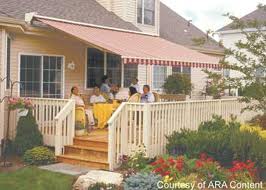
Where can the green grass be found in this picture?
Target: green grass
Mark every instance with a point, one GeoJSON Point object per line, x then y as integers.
{"type": "Point", "coordinates": [33, 178]}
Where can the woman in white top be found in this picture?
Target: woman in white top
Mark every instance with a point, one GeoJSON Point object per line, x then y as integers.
{"type": "Point", "coordinates": [147, 96]}
{"type": "Point", "coordinates": [80, 103]}
{"type": "Point", "coordinates": [97, 97]}
{"type": "Point", "coordinates": [135, 84]}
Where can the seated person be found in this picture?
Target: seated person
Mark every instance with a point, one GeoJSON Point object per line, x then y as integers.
{"type": "Point", "coordinates": [80, 103]}
{"type": "Point", "coordinates": [97, 97]}
{"type": "Point", "coordinates": [113, 91]}
{"type": "Point", "coordinates": [135, 84]}
{"type": "Point", "coordinates": [147, 96]}
{"type": "Point", "coordinates": [132, 91]}
{"type": "Point", "coordinates": [105, 87]}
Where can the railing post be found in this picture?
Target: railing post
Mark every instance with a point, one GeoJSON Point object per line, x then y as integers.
{"type": "Point", "coordinates": [220, 107]}
{"type": "Point", "coordinates": [124, 131]}
{"type": "Point", "coordinates": [147, 128]}
{"type": "Point", "coordinates": [58, 138]}
{"type": "Point", "coordinates": [111, 147]}
{"type": "Point", "coordinates": [73, 123]}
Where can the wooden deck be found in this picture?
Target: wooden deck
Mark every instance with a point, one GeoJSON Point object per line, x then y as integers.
{"type": "Point", "coordinates": [90, 150]}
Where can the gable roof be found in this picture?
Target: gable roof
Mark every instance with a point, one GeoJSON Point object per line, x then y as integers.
{"type": "Point", "coordinates": [87, 11]}
{"type": "Point", "coordinates": [259, 15]}
{"type": "Point", "coordinates": [175, 28]}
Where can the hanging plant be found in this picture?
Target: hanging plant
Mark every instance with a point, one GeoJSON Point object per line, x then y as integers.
{"type": "Point", "coordinates": [20, 104]}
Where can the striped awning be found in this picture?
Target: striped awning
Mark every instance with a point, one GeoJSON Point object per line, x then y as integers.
{"type": "Point", "coordinates": [136, 48]}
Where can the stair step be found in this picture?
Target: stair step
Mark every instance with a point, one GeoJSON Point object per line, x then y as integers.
{"type": "Point", "coordinates": [90, 142]}
{"type": "Point", "coordinates": [79, 160]}
{"type": "Point", "coordinates": [87, 152]}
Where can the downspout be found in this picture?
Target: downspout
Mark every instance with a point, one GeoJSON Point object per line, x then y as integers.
{"type": "Point", "coordinates": [2, 87]}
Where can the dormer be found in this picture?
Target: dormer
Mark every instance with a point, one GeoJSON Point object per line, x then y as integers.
{"type": "Point", "coordinates": [142, 13]}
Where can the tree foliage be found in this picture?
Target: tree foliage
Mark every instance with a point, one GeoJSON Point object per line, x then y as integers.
{"type": "Point", "coordinates": [178, 84]}
{"type": "Point", "coordinates": [248, 57]}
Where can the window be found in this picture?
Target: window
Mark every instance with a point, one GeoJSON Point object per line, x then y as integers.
{"type": "Point", "coordinates": [8, 48]}
{"type": "Point", "coordinates": [114, 68]}
{"type": "Point", "coordinates": [130, 72]}
{"type": "Point", "coordinates": [176, 70]}
{"type": "Point", "coordinates": [41, 76]}
{"type": "Point", "coordinates": [186, 70]}
{"type": "Point", "coordinates": [52, 76]}
{"type": "Point", "coordinates": [159, 76]}
{"type": "Point", "coordinates": [146, 12]}
{"type": "Point", "coordinates": [95, 67]}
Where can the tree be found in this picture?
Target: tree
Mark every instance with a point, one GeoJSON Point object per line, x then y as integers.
{"type": "Point", "coordinates": [249, 59]}
{"type": "Point", "coordinates": [178, 84]}
{"type": "Point", "coordinates": [215, 84]}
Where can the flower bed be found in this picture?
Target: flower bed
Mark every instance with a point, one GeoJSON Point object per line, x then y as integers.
{"type": "Point", "coordinates": [219, 151]}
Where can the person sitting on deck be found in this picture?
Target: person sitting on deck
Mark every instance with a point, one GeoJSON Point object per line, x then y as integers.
{"type": "Point", "coordinates": [135, 84]}
{"type": "Point", "coordinates": [132, 91]}
{"type": "Point", "coordinates": [105, 87]}
{"type": "Point", "coordinates": [97, 97]}
{"type": "Point", "coordinates": [114, 91]}
{"type": "Point", "coordinates": [147, 96]}
{"type": "Point", "coordinates": [80, 103]}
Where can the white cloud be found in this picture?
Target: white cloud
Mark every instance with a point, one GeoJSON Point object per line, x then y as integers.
{"type": "Point", "coordinates": [207, 14]}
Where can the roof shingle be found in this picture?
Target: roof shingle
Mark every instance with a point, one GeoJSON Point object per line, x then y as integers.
{"type": "Point", "coordinates": [175, 28]}
{"type": "Point", "coordinates": [87, 11]}
{"type": "Point", "coordinates": [258, 15]}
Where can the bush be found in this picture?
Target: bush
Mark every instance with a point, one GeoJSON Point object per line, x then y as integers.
{"type": "Point", "coordinates": [39, 156]}
{"type": "Point", "coordinates": [28, 134]}
{"type": "Point", "coordinates": [142, 181]}
{"type": "Point", "coordinates": [222, 141]}
{"type": "Point", "coordinates": [178, 84]}
{"type": "Point", "coordinates": [259, 120]}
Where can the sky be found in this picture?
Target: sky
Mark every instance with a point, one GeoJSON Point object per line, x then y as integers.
{"type": "Point", "coordinates": [207, 14]}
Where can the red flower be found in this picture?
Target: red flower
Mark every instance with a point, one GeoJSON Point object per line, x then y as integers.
{"type": "Point", "coordinates": [158, 170]}
{"type": "Point", "coordinates": [203, 156]}
{"type": "Point", "coordinates": [199, 164]}
{"type": "Point", "coordinates": [166, 173]}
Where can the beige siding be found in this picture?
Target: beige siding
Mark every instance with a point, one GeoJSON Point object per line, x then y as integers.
{"type": "Point", "coordinates": [72, 50]}
{"type": "Point", "coordinates": [127, 10]}
{"type": "Point", "coordinates": [105, 3]}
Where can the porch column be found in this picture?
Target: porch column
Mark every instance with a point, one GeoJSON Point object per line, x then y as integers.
{"type": "Point", "coordinates": [105, 63]}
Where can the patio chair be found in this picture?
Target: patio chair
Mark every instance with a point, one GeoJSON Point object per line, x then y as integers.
{"type": "Point", "coordinates": [135, 98]}
{"type": "Point", "coordinates": [80, 116]}
{"type": "Point", "coordinates": [156, 97]}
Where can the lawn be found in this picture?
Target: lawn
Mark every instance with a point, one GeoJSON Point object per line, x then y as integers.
{"type": "Point", "coordinates": [34, 178]}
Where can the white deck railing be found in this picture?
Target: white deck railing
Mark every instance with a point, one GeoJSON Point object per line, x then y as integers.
{"type": "Point", "coordinates": [134, 124]}
{"type": "Point", "coordinates": [55, 119]}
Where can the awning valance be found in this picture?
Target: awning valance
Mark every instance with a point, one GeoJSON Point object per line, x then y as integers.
{"type": "Point", "coordinates": [136, 48]}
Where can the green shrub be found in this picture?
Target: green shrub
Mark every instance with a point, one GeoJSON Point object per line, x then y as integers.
{"type": "Point", "coordinates": [142, 181]}
{"type": "Point", "coordinates": [220, 140]}
{"type": "Point", "coordinates": [39, 156]}
{"type": "Point", "coordinates": [178, 84]}
{"type": "Point", "coordinates": [28, 134]}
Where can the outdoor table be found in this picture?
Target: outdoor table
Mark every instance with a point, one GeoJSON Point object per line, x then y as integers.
{"type": "Point", "coordinates": [103, 111]}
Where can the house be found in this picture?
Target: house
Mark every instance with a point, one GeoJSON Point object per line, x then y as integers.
{"type": "Point", "coordinates": [177, 29]}
{"type": "Point", "coordinates": [49, 46]}
{"type": "Point", "coordinates": [230, 35]}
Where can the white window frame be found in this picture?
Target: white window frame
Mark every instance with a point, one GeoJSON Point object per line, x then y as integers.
{"type": "Point", "coordinates": [143, 14]}
{"type": "Point", "coordinates": [152, 73]}
{"type": "Point", "coordinates": [42, 55]}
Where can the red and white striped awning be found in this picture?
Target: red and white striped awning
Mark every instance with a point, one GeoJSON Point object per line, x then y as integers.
{"type": "Point", "coordinates": [135, 48]}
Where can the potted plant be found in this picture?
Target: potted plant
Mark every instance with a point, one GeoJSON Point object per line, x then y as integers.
{"type": "Point", "coordinates": [79, 128]}
{"type": "Point", "coordinates": [22, 105]}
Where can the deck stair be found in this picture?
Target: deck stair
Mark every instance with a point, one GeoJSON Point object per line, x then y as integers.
{"type": "Point", "coordinates": [90, 151]}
